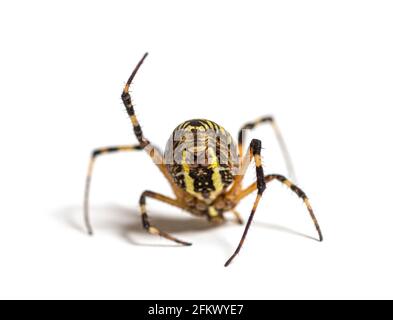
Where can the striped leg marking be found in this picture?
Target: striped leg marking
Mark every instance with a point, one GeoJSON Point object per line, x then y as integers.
{"type": "Point", "coordinates": [294, 188]}
{"type": "Point", "coordinates": [94, 155]}
{"type": "Point", "coordinates": [145, 219]}
{"type": "Point", "coordinates": [152, 151]}
{"type": "Point", "coordinates": [126, 97]}
{"type": "Point", "coordinates": [269, 120]}
{"type": "Point", "coordinates": [255, 151]}
{"type": "Point", "coordinates": [301, 195]}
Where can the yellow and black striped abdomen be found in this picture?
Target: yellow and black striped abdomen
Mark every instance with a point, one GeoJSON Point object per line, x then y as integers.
{"type": "Point", "coordinates": [201, 157]}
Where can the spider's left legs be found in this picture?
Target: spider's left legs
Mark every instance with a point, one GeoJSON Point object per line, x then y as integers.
{"type": "Point", "coordinates": [268, 120]}
{"type": "Point", "coordinates": [94, 155]}
{"type": "Point", "coordinates": [145, 219]}
{"type": "Point", "coordinates": [145, 144]}
{"type": "Point", "coordinates": [254, 152]}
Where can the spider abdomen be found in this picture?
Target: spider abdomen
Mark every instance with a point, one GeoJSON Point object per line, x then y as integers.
{"type": "Point", "coordinates": [201, 158]}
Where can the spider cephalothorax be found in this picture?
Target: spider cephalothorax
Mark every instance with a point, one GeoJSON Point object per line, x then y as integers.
{"type": "Point", "coordinates": [204, 168]}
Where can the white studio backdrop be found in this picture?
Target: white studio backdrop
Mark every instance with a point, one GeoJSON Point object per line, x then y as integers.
{"type": "Point", "coordinates": [324, 69]}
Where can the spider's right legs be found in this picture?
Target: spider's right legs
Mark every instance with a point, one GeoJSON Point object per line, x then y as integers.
{"type": "Point", "coordinates": [292, 187]}
{"type": "Point", "coordinates": [255, 153]}
{"type": "Point", "coordinates": [269, 120]}
{"type": "Point", "coordinates": [94, 155]}
{"type": "Point", "coordinates": [145, 219]}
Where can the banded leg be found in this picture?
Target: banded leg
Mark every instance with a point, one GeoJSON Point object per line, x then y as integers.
{"type": "Point", "coordinates": [145, 219]}
{"type": "Point", "coordinates": [94, 155]}
{"type": "Point", "coordinates": [255, 152]}
{"type": "Point", "coordinates": [126, 97]}
{"type": "Point", "coordinates": [294, 188]}
{"type": "Point", "coordinates": [153, 152]}
{"type": "Point", "coordinates": [269, 120]}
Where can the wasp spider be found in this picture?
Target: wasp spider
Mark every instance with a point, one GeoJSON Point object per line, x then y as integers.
{"type": "Point", "coordinates": [204, 168]}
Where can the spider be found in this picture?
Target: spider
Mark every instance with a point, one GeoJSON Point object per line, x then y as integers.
{"type": "Point", "coordinates": [204, 170]}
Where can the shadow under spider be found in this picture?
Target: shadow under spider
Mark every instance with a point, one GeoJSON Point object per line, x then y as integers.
{"type": "Point", "coordinates": [127, 222]}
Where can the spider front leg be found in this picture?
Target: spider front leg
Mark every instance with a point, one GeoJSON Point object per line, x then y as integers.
{"type": "Point", "coordinates": [145, 219]}
{"type": "Point", "coordinates": [153, 152]}
{"type": "Point", "coordinates": [254, 152]}
{"type": "Point", "coordinates": [284, 150]}
{"type": "Point", "coordinates": [94, 156]}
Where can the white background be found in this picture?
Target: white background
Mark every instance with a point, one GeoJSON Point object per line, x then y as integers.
{"type": "Point", "coordinates": [323, 68]}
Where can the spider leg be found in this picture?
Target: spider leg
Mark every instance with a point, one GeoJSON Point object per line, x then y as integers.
{"type": "Point", "coordinates": [294, 188]}
{"type": "Point", "coordinates": [239, 219]}
{"type": "Point", "coordinates": [145, 219]}
{"type": "Point", "coordinates": [145, 144]}
{"type": "Point", "coordinates": [126, 97]}
{"type": "Point", "coordinates": [254, 152]}
{"type": "Point", "coordinates": [94, 155]}
{"type": "Point", "coordinates": [268, 120]}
